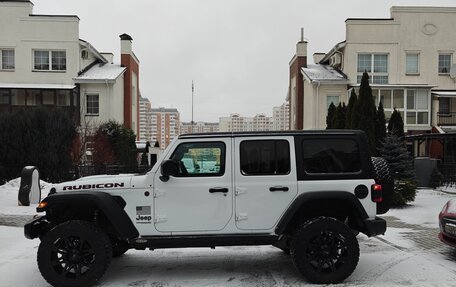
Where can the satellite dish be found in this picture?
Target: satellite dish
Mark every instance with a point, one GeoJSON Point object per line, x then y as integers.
{"type": "Point", "coordinates": [453, 71]}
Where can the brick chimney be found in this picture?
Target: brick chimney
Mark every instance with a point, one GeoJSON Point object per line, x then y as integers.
{"type": "Point", "coordinates": [131, 83]}
{"type": "Point", "coordinates": [296, 85]}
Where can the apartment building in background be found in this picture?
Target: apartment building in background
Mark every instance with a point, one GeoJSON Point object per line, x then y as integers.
{"type": "Point", "coordinates": [199, 127]}
{"type": "Point", "coordinates": [410, 59]}
{"type": "Point", "coordinates": [281, 117]}
{"type": "Point", "coordinates": [145, 120]}
{"type": "Point", "coordinates": [237, 123]}
{"type": "Point", "coordinates": [60, 70]}
{"type": "Point", "coordinates": [165, 125]}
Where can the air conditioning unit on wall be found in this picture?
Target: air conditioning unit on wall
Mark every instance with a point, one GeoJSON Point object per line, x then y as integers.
{"type": "Point", "coordinates": [84, 54]}
{"type": "Point", "coordinates": [335, 60]}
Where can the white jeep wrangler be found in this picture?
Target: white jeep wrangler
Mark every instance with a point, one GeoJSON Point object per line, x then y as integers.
{"type": "Point", "coordinates": [308, 193]}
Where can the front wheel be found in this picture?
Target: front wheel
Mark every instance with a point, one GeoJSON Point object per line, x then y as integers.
{"type": "Point", "coordinates": [74, 253]}
{"type": "Point", "coordinates": [325, 250]}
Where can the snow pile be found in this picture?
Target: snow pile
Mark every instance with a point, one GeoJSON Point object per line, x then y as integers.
{"type": "Point", "coordinates": [9, 198]}
{"type": "Point", "coordinates": [449, 188]}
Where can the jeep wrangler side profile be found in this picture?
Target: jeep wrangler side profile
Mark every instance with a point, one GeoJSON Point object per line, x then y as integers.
{"type": "Point", "coordinates": [306, 192]}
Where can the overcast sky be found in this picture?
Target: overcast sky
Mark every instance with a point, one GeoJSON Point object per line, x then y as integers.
{"type": "Point", "coordinates": [236, 51]}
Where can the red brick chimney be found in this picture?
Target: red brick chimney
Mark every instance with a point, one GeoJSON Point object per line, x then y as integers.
{"type": "Point", "coordinates": [296, 85]}
{"type": "Point", "coordinates": [131, 83]}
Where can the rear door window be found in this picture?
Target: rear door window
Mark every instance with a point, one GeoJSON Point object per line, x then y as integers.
{"type": "Point", "coordinates": [265, 157]}
{"type": "Point", "coordinates": [331, 156]}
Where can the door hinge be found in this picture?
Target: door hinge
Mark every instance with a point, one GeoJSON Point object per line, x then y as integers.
{"type": "Point", "coordinates": [158, 193]}
{"type": "Point", "coordinates": [240, 190]}
{"type": "Point", "coordinates": [160, 218]}
{"type": "Point", "coordinates": [242, 216]}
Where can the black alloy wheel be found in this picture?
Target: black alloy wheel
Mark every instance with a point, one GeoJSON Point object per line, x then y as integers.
{"type": "Point", "coordinates": [325, 250]}
{"type": "Point", "coordinates": [72, 256]}
{"type": "Point", "coordinates": [74, 253]}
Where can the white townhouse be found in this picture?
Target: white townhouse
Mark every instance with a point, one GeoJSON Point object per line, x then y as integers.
{"type": "Point", "coordinates": [44, 63]}
{"type": "Point", "coordinates": [410, 59]}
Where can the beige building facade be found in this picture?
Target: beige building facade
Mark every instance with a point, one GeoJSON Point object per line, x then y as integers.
{"type": "Point", "coordinates": [410, 60]}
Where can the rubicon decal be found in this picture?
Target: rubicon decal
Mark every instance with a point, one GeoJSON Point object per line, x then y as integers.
{"type": "Point", "coordinates": [94, 186]}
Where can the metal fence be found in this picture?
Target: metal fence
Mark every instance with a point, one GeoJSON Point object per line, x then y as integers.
{"type": "Point", "coordinates": [448, 171]}
{"type": "Point", "coordinates": [87, 170]}
{"type": "Point", "coordinates": [10, 172]}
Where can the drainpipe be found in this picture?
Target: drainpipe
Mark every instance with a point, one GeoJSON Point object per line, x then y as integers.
{"type": "Point", "coordinates": [317, 110]}
{"type": "Point", "coordinates": [108, 101]}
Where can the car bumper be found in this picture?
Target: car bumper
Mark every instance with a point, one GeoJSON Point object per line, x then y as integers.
{"type": "Point", "coordinates": [35, 227]}
{"type": "Point", "coordinates": [447, 239]}
{"type": "Point", "coordinates": [375, 226]}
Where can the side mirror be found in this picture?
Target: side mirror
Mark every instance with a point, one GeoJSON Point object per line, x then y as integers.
{"type": "Point", "coordinates": [169, 168]}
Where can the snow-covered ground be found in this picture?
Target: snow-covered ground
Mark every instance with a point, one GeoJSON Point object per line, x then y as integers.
{"type": "Point", "coordinates": [9, 198]}
{"type": "Point", "coordinates": [390, 260]}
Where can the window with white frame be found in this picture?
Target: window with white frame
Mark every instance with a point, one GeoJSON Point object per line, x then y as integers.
{"type": "Point", "coordinates": [45, 60]}
{"type": "Point", "coordinates": [93, 104]}
{"type": "Point", "coordinates": [376, 65]}
{"type": "Point", "coordinates": [445, 63]}
{"type": "Point", "coordinates": [335, 99]}
{"type": "Point", "coordinates": [412, 63]}
{"type": "Point", "coordinates": [7, 59]}
{"type": "Point", "coordinates": [417, 107]}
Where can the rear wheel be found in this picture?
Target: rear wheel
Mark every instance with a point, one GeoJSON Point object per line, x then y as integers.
{"type": "Point", "coordinates": [325, 250]}
{"type": "Point", "coordinates": [74, 253]}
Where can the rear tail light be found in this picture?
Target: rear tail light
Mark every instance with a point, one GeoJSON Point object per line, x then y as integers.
{"type": "Point", "coordinates": [376, 193]}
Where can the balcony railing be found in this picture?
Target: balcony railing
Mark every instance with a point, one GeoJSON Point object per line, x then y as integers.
{"type": "Point", "coordinates": [447, 119]}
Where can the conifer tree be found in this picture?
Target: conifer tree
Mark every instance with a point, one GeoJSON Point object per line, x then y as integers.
{"type": "Point", "coordinates": [401, 168]}
{"type": "Point", "coordinates": [339, 117]}
{"type": "Point", "coordinates": [363, 114]}
{"type": "Point", "coordinates": [396, 124]}
{"type": "Point", "coordinates": [380, 127]}
{"type": "Point", "coordinates": [349, 111]}
{"type": "Point", "coordinates": [330, 116]}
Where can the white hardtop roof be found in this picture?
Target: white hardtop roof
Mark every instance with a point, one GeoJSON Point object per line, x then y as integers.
{"type": "Point", "coordinates": [323, 73]}
{"type": "Point", "coordinates": [101, 72]}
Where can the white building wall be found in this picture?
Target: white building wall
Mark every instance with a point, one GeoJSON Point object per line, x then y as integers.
{"type": "Point", "coordinates": [28, 33]}
{"type": "Point", "coordinates": [110, 102]}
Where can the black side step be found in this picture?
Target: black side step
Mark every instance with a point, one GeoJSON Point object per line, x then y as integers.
{"type": "Point", "coordinates": [178, 241]}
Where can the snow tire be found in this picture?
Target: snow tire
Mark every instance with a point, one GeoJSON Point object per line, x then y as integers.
{"type": "Point", "coordinates": [74, 253]}
{"type": "Point", "coordinates": [383, 177]}
{"type": "Point", "coordinates": [325, 250]}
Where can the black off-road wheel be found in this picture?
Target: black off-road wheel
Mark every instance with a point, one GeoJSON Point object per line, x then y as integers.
{"type": "Point", "coordinates": [325, 250]}
{"type": "Point", "coordinates": [74, 253]}
{"type": "Point", "coordinates": [383, 177]}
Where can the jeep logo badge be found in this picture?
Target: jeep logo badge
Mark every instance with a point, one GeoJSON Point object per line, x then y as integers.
{"type": "Point", "coordinates": [143, 214]}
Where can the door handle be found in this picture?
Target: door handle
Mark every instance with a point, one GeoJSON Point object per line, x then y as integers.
{"type": "Point", "coordinates": [218, 189]}
{"type": "Point", "coordinates": [278, 188]}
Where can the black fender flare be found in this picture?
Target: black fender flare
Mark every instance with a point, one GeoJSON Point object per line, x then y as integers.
{"type": "Point", "coordinates": [105, 202]}
{"type": "Point", "coordinates": [305, 198]}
